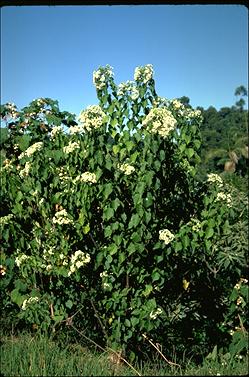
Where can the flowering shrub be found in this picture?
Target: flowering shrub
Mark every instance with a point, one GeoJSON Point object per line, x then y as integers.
{"type": "Point", "coordinates": [106, 218]}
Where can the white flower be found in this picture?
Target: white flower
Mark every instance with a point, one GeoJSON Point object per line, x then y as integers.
{"type": "Point", "coordinates": [7, 164]}
{"type": "Point", "coordinates": [20, 259]}
{"type": "Point", "coordinates": [106, 285]}
{"type": "Point", "coordinates": [166, 236]}
{"type": "Point", "coordinates": [196, 227]}
{"type": "Point", "coordinates": [155, 314]}
{"type": "Point", "coordinates": [41, 201]}
{"type": "Point", "coordinates": [221, 196]}
{"type": "Point", "coordinates": [32, 149]}
{"type": "Point", "coordinates": [103, 274]}
{"type": "Point", "coordinates": [177, 104]}
{"type": "Point", "coordinates": [61, 217]}
{"type": "Point", "coordinates": [239, 301]}
{"type": "Point", "coordinates": [28, 301]}
{"type": "Point", "coordinates": [55, 131]}
{"type": "Point", "coordinates": [71, 147]}
{"type": "Point", "coordinates": [78, 259]}
{"type": "Point", "coordinates": [215, 178]}
{"type": "Point", "coordinates": [160, 120]}
{"type": "Point", "coordinates": [2, 270]}
{"type": "Point", "coordinates": [126, 168]}
{"type": "Point", "coordinates": [102, 76]}
{"type": "Point", "coordinates": [92, 118]}
{"type": "Point", "coordinates": [144, 74]}
{"type": "Point", "coordinates": [86, 177]}
{"type": "Point", "coordinates": [128, 88]}
{"type": "Point", "coordinates": [6, 219]}
{"type": "Point", "coordinates": [24, 172]}
{"type": "Point", "coordinates": [75, 130]}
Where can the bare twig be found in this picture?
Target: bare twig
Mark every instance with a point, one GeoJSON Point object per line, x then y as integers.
{"type": "Point", "coordinates": [158, 350]}
{"type": "Point", "coordinates": [100, 322]}
{"type": "Point", "coordinates": [97, 345]}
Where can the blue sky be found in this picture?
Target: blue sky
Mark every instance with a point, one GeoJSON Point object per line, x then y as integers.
{"type": "Point", "coordinates": [200, 51]}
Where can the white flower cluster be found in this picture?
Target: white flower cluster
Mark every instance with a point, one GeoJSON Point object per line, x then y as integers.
{"type": "Point", "coordinates": [196, 227]}
{"type": "Point", "coordinates": [126, 168]}
{"type": "Point", "coordinates": [28, 301]}
{"type": "Point", "coordinates": [166, 236]}
{"type": "Point", "coordinates": [20, 259]}
{"type": "Point", "coordinates": [160, 102]}
{"type": "Point", "coordinates": [192, 114]}
{"type": "Point", "coordinates": [75, 130]}
{"type": "Point", "coordinates": [238, 285]}
{"type": "Point", "coordinates": [72, 145]}
{"type": "Point", "coordinates": [102, 76]}
{"type": "Point", "coordinates": [162, 121]}
{"type": "Point", "coordinates": [78, 259]}
{"type": "Point", "coordinates": [40, 101]}
{"type": "Point", "coordinates": [7, 164]}
{"type": "Point", "coordinates": [222, 197]}
{"type": "Point", "coordinates": [61, 217]}
{"type": "Point", "coordinates": [86, 177]}
{"type": "Point", "coordinates": [56, 131]}
{"type": "Point", "coordinates": [24, 172]}
{"type": "Point", "coordinates": [215, 178]}
{"type": "Point", "coordinates": [177, 104]}
{"type": "Point", "coordinates": [156, 313]}
{"type": "Point", "coordinates": [144, 74]}
{"type": "Point", "coordinates": [32, 149]}
{"type": "Point", "coordinates": [128, 88]}
{"type": "Point", "coordinates": [12, 109]}
{"type": "Point", "coordinates": [5, 219]}
{"type": "Point", "coordinates": [92, 118]}
{"type": "Point", "coordinates": [104, 275]}
{"type": "Point", "coordinates": [2, 270]}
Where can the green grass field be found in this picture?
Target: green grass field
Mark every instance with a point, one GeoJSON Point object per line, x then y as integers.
{"type": "Point", "coordinates": [32, 355]}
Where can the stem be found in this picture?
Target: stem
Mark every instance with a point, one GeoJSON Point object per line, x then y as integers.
{"type": "Point", "coordinates": [158, 350]}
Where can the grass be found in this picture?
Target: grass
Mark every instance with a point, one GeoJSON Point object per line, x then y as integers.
{"type": "Point", "coordinates": [32, 355]}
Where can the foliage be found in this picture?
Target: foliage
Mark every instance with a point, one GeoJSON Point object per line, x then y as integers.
{"type": "Point", "coordinates": [225, 138]}
{"type": "Point", "coordinates": [105, 225]}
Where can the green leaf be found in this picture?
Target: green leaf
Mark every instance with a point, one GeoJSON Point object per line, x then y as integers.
{"type": "Point", "coordinates": [69, 304]}
{"type": "Point", "coordinates": [148, 290]}
{"type": "Point", "coordinates": [127, 322]}
{"type": "Point", "coordinates": [129, 145]}
{"type": "Point", "coordinates": [113, 249]}
{"type": "Point", "coordinates": [108, 213]}
{"type": "Point", "coordinates": [178, 246]}
{"type": "Point", "coordinates": [121, 257]}
{"type": "Point", "coordinates": [115, 204]}
{"type": "Point", "coordinates": [99, 258]}
{"type": "Point", "coordinates": [115, 149]}
{"type": "Point", "coordinates": [134, 321]}
{"type": "Point", "coordinates": [107, 190]}
{"type": "Point", "coordinates": [185, 241]}
{"type": "Point", "coordinates": [109, 259]}
{"type": "Point", "coordinates": [190, 152]}
{"type": "Point", "coordinates": [16, 297]}
{"type": "Point", "coordinates": [19, 196]}
{"type": "Point", "coordinates": [135, 237]}
{"type": "Point", "coordinates": [86, 229]}
{"type": "Point", "coordinates": [155, 276]}
{"type": "Point", "coordinates": [209, 232]}
{"type": "Point", "coordinates": [131, 248]}
{"type": "Point", "coordinates": [108, 231]}
{"type": "Point", "coordinates": [117, 239]}
{"type": "Point", "coordinates": [134, 221]}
